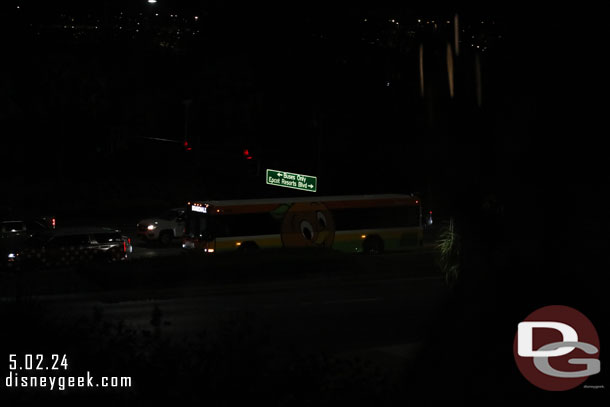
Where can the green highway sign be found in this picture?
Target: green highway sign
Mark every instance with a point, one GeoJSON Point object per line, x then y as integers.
{"type": "Point", "coordinates": [290, 180]}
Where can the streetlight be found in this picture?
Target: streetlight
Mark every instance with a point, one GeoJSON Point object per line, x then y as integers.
{"type": "Point", "coordinates": [152, 1]}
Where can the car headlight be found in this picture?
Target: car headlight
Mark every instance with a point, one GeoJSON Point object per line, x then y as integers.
{"type": "Point", "coordinates": [151, 227]}
{"type": "Point", "coordinates": [12, 255]}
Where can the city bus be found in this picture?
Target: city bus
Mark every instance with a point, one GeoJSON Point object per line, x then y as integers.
{"type": "Point", "coordinates": [357, 224]}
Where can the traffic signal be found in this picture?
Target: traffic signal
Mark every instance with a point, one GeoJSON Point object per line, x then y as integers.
{"type": "Point", "coordinates": [187, 147]}
{"type": "Point", "coordinates": [252, 164]}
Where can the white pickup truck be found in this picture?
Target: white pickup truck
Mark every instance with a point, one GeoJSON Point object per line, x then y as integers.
{"type": "Point", "coordinates": [163, 229]}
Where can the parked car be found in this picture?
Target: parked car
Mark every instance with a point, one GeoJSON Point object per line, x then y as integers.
{"type": "Point", "coordinates": [71, 246]}
{"type": "Point", "coordinates": [20, 228]}
{"type": "Point", "coordinates": [163, 229]}
{"type": "Point", "coordinates": [13, 234]}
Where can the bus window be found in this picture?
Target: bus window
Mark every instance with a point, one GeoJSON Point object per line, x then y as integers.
{"type": "Point", "coordinates": [249, 224]}
{"type": "Point", "coordinates": [376, 217]}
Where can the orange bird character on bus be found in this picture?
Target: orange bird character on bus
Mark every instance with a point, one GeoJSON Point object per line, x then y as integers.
{"type": "Point", "coordinates": [308, 224]}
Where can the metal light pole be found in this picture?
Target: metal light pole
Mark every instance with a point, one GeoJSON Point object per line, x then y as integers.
{"type": "Point", "coordinates": [187, 104]}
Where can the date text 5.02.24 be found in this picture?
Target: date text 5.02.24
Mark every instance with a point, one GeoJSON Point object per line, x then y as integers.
{"type": "Point", "coordinates": [30, 362]}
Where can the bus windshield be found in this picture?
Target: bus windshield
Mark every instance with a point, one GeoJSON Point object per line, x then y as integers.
{"type": "Point", "coordinates": [197, 225]}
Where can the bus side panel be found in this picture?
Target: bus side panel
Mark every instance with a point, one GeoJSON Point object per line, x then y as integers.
{"type": "Point", "coordinates": [349, 241]}
{"type": "Point", "coordinates": [393, 239]}
{"type": "Point", "coordinates": [412, 237]}
{"type": "Point", "coordinates": [227, 244]}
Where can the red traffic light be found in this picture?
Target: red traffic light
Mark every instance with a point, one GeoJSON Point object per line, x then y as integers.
{"type": "Point", "coordinates": [186, 146]}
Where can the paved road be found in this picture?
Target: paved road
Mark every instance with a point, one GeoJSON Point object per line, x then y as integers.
{"type": "Point", "coordinates": [376, 312]}
{"type": "Point", "coordinates": [141, 251]}
{"type": "Point", "coordinates": [309, 314]}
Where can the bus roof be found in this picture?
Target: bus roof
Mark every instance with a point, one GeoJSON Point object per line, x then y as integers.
{"type": "Point", "coordinates": [330, 201]}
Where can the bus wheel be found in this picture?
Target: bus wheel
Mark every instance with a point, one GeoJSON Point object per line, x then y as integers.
{"type": "Point", "coordinates": [372, 245]}
{"type": "Point", "coordinates": [165, 238]}
{"type": "Point", "coordinates": [248, 247]}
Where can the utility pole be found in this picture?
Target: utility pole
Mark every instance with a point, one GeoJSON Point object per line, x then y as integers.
{"type": "Point", "coordinates": [187, 105]}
